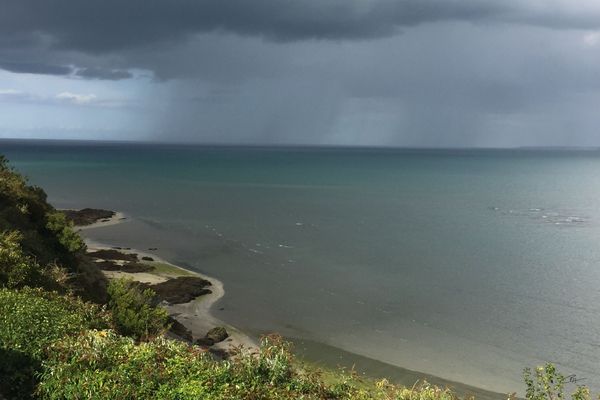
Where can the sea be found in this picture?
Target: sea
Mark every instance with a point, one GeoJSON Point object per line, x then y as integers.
{"type": "Point", "coordinates": [467, 264]}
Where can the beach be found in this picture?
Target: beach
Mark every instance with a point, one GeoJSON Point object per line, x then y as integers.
{"type": "Point", "coordinates": [195, 315]}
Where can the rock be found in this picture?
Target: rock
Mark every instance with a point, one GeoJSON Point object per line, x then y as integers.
{"type": "Point", "coordinates": [217, 334]}
{"type": "Point", "coordinates": [179, 329]}
{"type": "Point", "coordinates": [146, 258]}
{"type": "Point", "coordinates": [182, 289]}
{"type": "Point", "coordinates": [111, 254]}
{"type": "Point", "coordinates": [134, 267]}
{"type": "Point", "coordinates": [131, 267]}
{"type": "Point", "coordinates": [220, 354]}
{"type": "Point", "coordinates": [88, 216]}
{"type": "Point", "coordinates": [204, 342]}
{"type": "Point", "coordinates": [108, 265]}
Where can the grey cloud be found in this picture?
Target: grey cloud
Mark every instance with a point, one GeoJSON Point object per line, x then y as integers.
{"type": "Point", "coordinates": [97, 26]}
{"type": "Point", "coordinates": [103, 26]}
{"type": "Point", "coordinates": [41, 68]}
{"type": "Point", "coordinates": [35, 68]}
{"type": "Point", "coordinates": [103, 74]}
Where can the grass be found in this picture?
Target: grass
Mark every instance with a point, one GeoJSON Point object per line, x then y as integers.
{"type": "Point", "coordinates": [167, 270]}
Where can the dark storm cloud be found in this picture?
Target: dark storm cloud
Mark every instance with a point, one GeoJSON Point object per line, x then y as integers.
{"type": "Point", "coordinates": [102, 39]}
{"type": "Point", "coordinates": [384, 72]}
{"type": "Point", "coordinates": [97, 26]}
{"type": "Point", "coordinates": [35, 68]}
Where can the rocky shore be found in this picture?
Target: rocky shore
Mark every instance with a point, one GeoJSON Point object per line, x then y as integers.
{"type": "Point", "coordinates": [187, 295]}
{"type": "Point", "coordinates": [88, 216]}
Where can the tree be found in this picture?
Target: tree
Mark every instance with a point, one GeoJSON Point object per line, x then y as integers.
{"type": "Point", "coordinates": [134, 312]}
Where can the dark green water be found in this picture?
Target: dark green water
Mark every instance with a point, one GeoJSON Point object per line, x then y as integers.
{"type": "Point", "coordinates": [468, 265]}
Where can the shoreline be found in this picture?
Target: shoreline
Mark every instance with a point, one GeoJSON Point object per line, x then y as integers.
{"type": "Point", "coordinates": [326, 356]}
{"type": "Point", "coordinates": [196, 316]}
{"type": "Point", "coordinates": [118, 218]}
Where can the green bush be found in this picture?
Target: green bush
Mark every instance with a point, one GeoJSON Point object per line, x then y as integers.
{"type": "Point", "coordinates": [30, 320]}
{"type": "Point", "coordinates": [46, 234]}
{"type": "Point", "coordinates": [546, 383]}
{"type": "Point", "coordinates": [16, 268]}
{"type": "Point", "coordinates": [103, 365]}
{"type": "Point", "coordinates": [57, 222]}
{"type": "Point", "coordinates": [273, 373]}
{"type": "Point", "coordinates": [133, 310]}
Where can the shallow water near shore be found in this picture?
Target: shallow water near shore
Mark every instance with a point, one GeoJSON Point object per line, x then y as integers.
{"type": "Point", "coordinates": [469, 265]}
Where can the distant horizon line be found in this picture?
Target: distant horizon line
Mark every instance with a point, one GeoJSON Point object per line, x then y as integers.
{"type": "Point", "coordinates": [289, 146]}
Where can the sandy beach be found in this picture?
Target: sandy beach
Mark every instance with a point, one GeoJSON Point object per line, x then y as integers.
{"type": "Point", "coordinates": [118, 218]}
{"type": "Point", "coordinates": [194, 315]}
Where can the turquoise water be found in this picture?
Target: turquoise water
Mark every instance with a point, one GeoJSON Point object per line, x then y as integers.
{"type": "Point", "coordinates": [469, 265]}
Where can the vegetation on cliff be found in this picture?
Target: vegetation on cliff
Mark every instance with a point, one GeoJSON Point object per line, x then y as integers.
{"type": "Point", "coordinates": [134, 312]}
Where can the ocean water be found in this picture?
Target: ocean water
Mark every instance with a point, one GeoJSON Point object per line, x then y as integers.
{"type": "Point", "coordinates": [466, 264]}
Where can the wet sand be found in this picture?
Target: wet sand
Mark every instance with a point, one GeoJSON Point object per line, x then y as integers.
{"type": "Point", "coordinates": [330, 357]}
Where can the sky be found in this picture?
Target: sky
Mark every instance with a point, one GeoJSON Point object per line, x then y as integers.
{"type": "Point", "coordinates": [414, 73]}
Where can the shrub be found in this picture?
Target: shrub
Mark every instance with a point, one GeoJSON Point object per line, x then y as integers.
{"type": "Point", "coordinates": [420, 391]}
{"type": "Point", "coordinates": [104, 365]}
{"type": "Point", "coordinates": [30, 320]}
{"type": "Point", "coordinates": [16, 268]}
{"type": "Point", "coordinates": [45, 234]}
{"type": "Point", "coordinates": [133, 310]}
{"type": "Point", "coordinates": [273, 373]}
{"type": "Point", "coordinates": [546, 383]}
{"type": "Point", "coordinates": [272, 365]}
{"type": "Point", "coordinates": [57, 222]}
{"type": "Point", "coordinates": [101, 364]}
